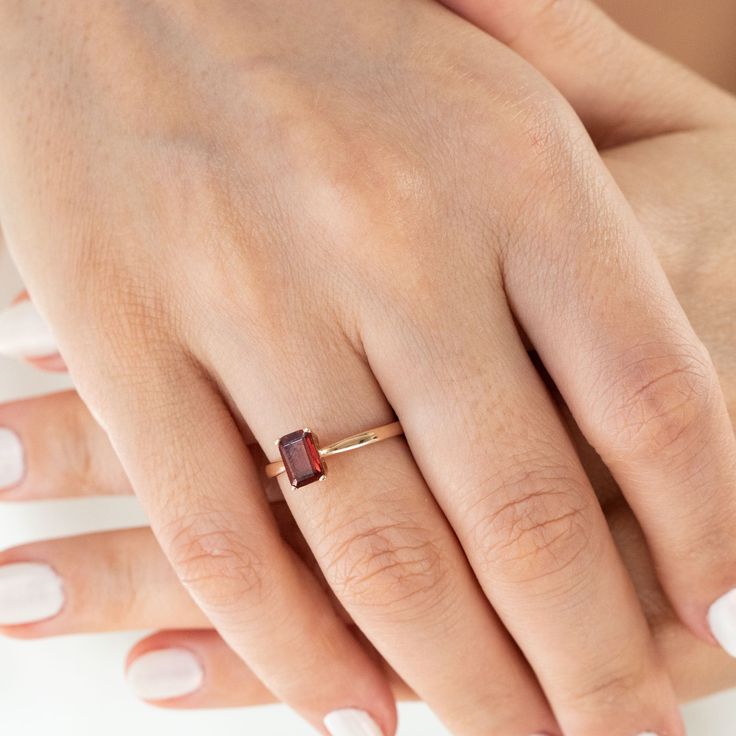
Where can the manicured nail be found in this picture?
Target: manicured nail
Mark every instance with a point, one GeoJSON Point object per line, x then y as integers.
{"type": "Point", "coordinates": [162, 674]}
{"type": "Point", "coordinates": [351, 722]}
{"type": "Point", "coordinates": [647, 733]}
{"type": "Point", "coordinates": [11, 458]}
{"type": "Point", "coordinates": [722, 621]}
{"type": "Point", "coordinates": [24, 333]}
{"type": "Point", "coordinates": [29, 591]}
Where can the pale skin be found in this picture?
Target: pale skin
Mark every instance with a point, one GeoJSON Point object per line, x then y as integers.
{"type": "Point", "coordinates": [646, 700]}
{"type": "Point", "coordinates": [142, 589]}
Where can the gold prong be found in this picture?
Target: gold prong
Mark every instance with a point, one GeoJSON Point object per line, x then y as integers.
{"type": "Point", "coordinates": [362, 439]}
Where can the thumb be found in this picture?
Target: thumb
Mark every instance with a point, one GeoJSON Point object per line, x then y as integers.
{"type": "Point", "coordinates": [622, 89]}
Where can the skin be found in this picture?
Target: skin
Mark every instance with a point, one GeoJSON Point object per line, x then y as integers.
{"type": "Point", "coordinates": [69, 455]}
{"type": "Point", "coordinates": [700, 37]}
{"type": "Point", "coordinates": [651, 363]}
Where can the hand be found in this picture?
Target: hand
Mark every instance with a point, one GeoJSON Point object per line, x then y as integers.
{"type": "Point", "coordinates": [674, 162]}
{"type": "Point", "coordinates": [190, 666]}
{"type": "Point", "coordinates": [357, 165]}
{"type": "Point", "coordinates": [689, 221]}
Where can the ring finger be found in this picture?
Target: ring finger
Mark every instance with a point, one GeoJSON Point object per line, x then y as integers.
{"type": "Point", "coordinates": [386, 550]}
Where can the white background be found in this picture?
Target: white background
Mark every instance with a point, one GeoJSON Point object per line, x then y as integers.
{"type": "Point", "coordinates": [74, 686]}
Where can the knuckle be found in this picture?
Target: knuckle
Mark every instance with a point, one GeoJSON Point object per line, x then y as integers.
{"type": "Point", "coordinates": [658, 401]}
{"type": "Point", "coordinates": [530, 525]}
{"type": "Point", "coordinates": [543, 139]}
{"type": "Point", "coordinates": [213, 561]}
{"type": "Point", "coordinates": [386, 566]}
{"type": "Point", "coordinates": [614, 687]}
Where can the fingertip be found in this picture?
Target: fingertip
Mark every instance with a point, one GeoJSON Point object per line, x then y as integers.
{"type": "Point", "coordinates": [31, 592]}
{"type": "Point", "coordinates": [12, 459]}
{"type": "Point", "coordinates": [164, 674]}
{"type": "Point", "coordinates": [49, 364]}
{"type": "Point", "coordinates": [721, 619]}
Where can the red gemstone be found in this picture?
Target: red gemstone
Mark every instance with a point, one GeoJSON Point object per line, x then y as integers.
{"type": "Point", "coordinates": [301, 458]}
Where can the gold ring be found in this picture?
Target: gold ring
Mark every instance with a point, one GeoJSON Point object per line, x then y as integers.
{"type": "Point", "coordinates": [302, 459]}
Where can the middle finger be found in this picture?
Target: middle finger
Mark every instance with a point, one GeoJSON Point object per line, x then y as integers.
{"type": "Point", "coordinates": [508, 479]}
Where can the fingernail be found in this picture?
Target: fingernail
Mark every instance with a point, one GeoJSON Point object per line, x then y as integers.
{"type": "Point", "coordinates": [722, 621]}
{"type": "Point", "coordinates": [162, 674]}
{"type": "Point", "coordinates": [11, 458]}
{"type": "Point", "coordinates": [351, 722]}
{"type": "Point", "coordinates": [24, 333]}
{"type": "Point", "coordinates": [29, 591]}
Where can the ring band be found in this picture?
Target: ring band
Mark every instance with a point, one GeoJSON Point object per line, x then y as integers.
{"type": "Point", "coordinates": [302, 458]}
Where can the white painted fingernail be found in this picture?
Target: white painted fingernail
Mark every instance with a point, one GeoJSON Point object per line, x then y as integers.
{"type": "Point", "coordinates": [29, 591]}
{"type": "Point", "coordinates": [722, 621]}
{"type": "Point", "coordinates": [351, 722]}
{"type": "Point", "coordinates": [24, 333]}
{"type": "Point", "coordinates": [162, 674]}
{"type": "Point", "coordinates": [647, 733]}
{"type": "Point", "coordinates": [11, 458]}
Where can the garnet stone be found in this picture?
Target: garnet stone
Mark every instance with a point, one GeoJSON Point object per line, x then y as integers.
{"type": "Point", "coordinates": [301, 458]}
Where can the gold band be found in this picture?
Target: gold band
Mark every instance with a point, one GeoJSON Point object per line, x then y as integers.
{"type": "Point", "coordinates": [362, 439]}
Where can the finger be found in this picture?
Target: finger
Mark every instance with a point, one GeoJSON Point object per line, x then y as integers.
{"type": "Point", "coordinates": [386, 550]}
{"type": "Point", "coordinates": [52, 447]}
{"type": "Point", "coordinates": [25, 334]}
{"type": "Point", "coordinates": [203, 496]}
{"type": "Point", "coordinates": [508, 479]}
{"type": "Point", "coordinates": [621, 88]}
{"type": "Point", "coordinates": [110, 581]}
{"type": "Point", "coordinates": [625, 90]}
{"type": "Point", "coordinates": [642, 387]}
{"type": "Point", "coordinates": [197, 669]}
{"type": "Point", "coordinates": [695, 668]}
{"type": "Point", "coordinates": [650, 402]}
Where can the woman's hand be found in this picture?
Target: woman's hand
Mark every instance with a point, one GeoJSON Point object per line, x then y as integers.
{"type": "Point", "coordinates": [253, 216]}
{"type": "Point", "coordinates": [121, 580]}
{"type": "Point", "coordinates": [188, 665]}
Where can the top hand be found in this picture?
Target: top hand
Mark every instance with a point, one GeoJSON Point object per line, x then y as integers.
{"type": "Point", "coordinates": [357, 166]}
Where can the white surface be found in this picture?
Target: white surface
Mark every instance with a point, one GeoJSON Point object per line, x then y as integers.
{"type": "Point", "coordinates": [75, 685]}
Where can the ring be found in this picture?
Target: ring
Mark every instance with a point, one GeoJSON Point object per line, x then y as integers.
{"type": "Point", "coordinates": [302, 457]}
